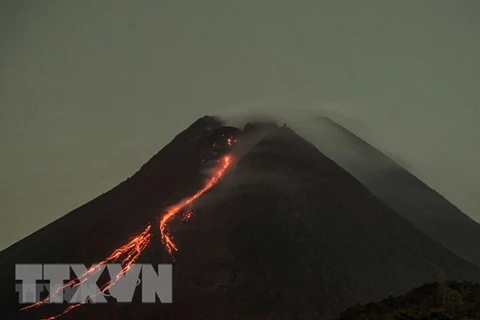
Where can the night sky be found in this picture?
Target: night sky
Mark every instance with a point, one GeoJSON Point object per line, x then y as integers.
{"type": "Point", "coordinates": [90, 90]}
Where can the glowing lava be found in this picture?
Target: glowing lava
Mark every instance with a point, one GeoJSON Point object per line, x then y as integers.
{"type": "Point", "coordinates": [127, 254]}
{"type": "Point", "coordinates": [130, 253]}
{"type": "Point", "coordinates": [168, 216]}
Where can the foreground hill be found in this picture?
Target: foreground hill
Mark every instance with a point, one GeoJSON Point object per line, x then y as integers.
{"type": "Point", "coordinates": [286, 233]}
{"type": "Point", "coordinates": [440, 301]}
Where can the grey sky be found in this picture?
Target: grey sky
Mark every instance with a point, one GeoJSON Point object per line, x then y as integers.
{"type": "Point", "coordinates": [90, 90]}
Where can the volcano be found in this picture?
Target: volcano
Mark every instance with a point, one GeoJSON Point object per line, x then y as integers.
{"type": "Point", "coordinates": [258, 223]}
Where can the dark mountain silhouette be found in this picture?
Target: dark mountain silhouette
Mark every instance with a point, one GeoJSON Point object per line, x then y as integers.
{"type": "Point", "coordinates": [286, 234]}
{"type": "Point", "coordinates": [402, 191]}
{"type": "Point", "coordinates": [432, 301]}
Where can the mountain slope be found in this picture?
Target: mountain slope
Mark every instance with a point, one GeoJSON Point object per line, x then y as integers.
{"type": "Point", "coordinates": [424, 207]}
{"type": "Point", "coordinates": [287, 233]}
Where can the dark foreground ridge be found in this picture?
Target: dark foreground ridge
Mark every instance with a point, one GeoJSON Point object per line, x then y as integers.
{"type": "Point", "coordinates": [286, 234]}
{"type": "Point", "coordinates": [432, 301]}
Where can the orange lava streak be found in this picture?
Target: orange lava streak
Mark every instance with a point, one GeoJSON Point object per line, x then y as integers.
{"type": "Point", "coordinates": [168, 216]}
{"type": "Point", "coordinates": [130, 251]}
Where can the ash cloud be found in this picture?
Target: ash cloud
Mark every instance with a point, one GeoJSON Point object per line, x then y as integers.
{"type": "Point", "coordinates": [321, 126]}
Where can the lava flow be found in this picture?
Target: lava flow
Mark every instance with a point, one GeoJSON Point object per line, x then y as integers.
{"type": "Point", "coordinates": [129, 253]}
{"type": "Point", "coordinates": [168, 216]}
{"type": "Point", "coordinates": [132, 250]}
